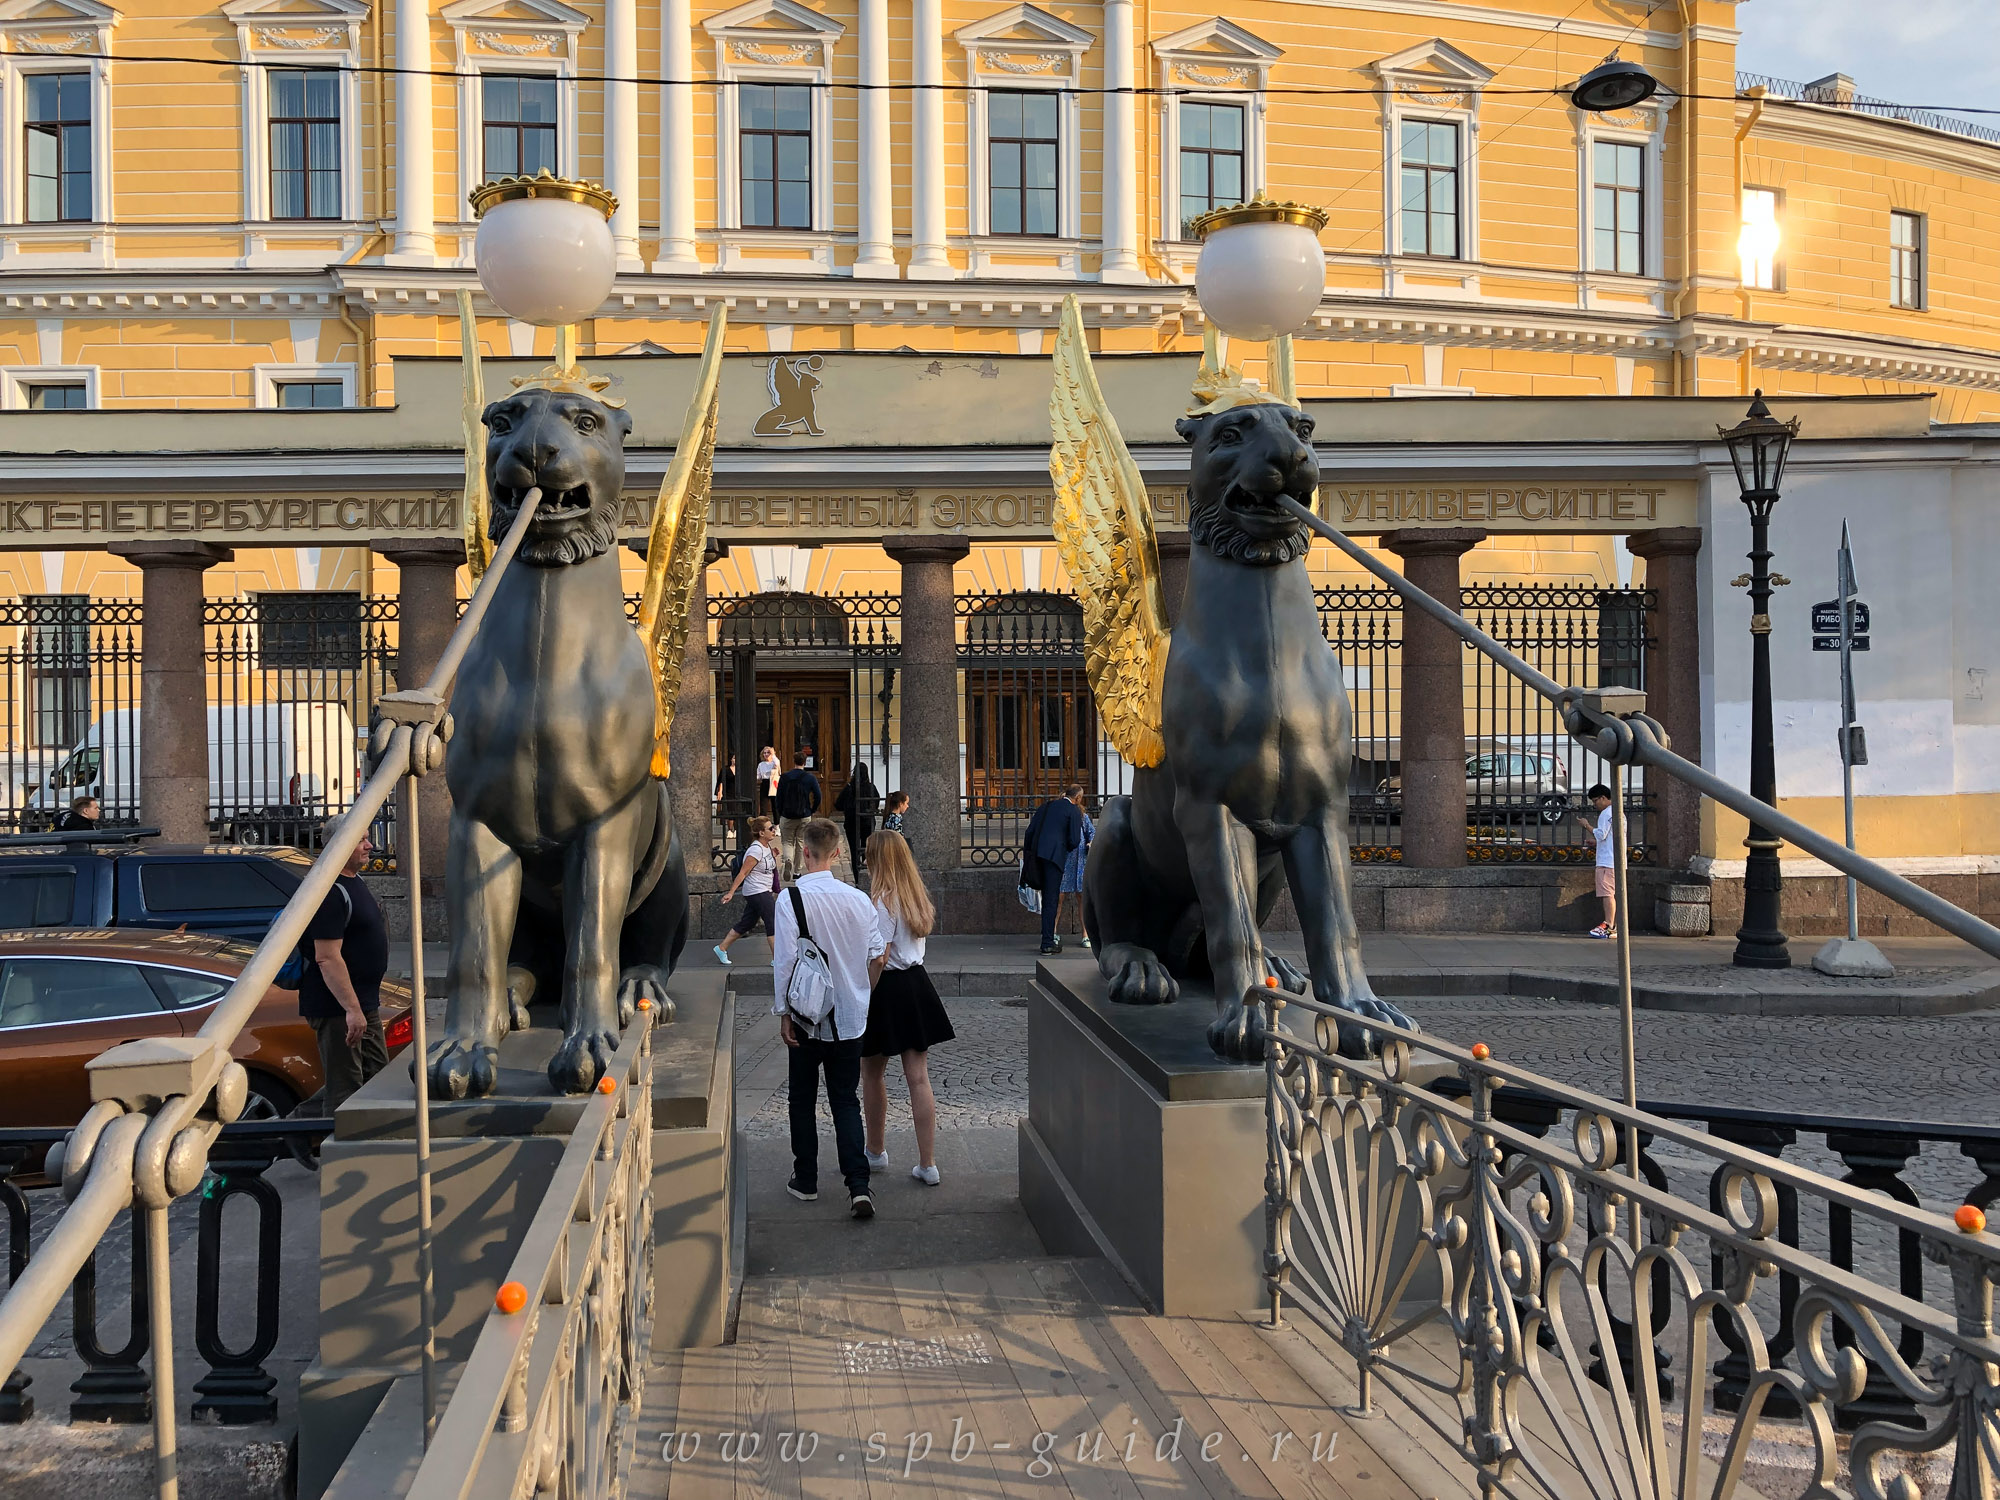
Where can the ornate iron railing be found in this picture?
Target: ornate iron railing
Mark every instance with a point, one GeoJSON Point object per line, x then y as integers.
{"type": "Point", "coordinates": [1886, 109]}
{"type": "Point", "coordinates": [1477, 1271]}
{"type": "Point", "coordinates": [69, 708]}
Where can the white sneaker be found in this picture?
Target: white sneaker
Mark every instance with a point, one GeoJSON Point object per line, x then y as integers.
{"type": "Point", "coordinates": [928, 1176]}
{"type": "Point", "coordinates": [879, 1163]}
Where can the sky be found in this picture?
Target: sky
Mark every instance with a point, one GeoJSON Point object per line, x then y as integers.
{"type": "Point", "coordinates": [1912, 51]}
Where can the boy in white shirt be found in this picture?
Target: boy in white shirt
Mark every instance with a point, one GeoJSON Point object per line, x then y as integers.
{"type": "Point", "coordinates": [1598, 821]}
{"type": "Point", "coordinates": [840, 920]}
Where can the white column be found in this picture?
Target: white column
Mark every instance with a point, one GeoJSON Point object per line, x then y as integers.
{"type": "Point", "coordinates": [416, 191]}
{"type": "Point", "coordinates": [875, 255]}
{"type": "Point", "coordinates": [677, 249]}
{"type": "Point", "coordinates": [1120, 206]}
{"type": "Point", "coordinates": [621, 127]}
{"type": "Point", "coordinates": [928, 261]}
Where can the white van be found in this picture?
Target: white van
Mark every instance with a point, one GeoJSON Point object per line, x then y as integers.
{"type": "Point", "coordinates": [267, 763]}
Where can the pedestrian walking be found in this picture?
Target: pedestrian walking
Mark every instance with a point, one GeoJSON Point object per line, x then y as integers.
{"type": "Point", "coordinates": [893, 808]}
{"type": "Point", "coordinates": [757, 880]}
{"type": "Point", "coordinates": [1055, 830]}
{"type": "Point", "coordinates": [856, 805]}
{"type": "Point", "coordinates": [1598, 821]}
{"type": "Point", "coordinates": [767, 779]}
{"type": "Point", "coordinates": [1072, 881]}
{"type": "Point", "coordinates": [340, 993]}
{"type": "Point", "coordinates": [82, 816]}
{"type": "Point", "coordinates": [905, 1016]}
{"type": "Point", "coordinates": [725, 784]}
{"type": "Point", "coordinates": [827, 954]}
{"type": "Point", "coordinates": [797, 800]}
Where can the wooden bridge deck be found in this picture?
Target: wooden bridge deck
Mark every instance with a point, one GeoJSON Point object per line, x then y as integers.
{"type": "Point", "coordinates": [1041, 1378]}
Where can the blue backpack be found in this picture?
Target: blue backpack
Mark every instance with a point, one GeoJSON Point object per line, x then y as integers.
{"type": "Point", "coordinates": [293, 975]}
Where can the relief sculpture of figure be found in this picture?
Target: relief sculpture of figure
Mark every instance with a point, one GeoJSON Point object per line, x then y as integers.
{"type": "Point", "coordinates": [792, 383]}
{"type": "Point", "coordinates": [564, 877]}
{"type": "Point", "coordinates": [1237, 719]}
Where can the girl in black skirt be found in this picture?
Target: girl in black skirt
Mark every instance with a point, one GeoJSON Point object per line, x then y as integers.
{"type": "Point", "coordinates": [905, 1016]}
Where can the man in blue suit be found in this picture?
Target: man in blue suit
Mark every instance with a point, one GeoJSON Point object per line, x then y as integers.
{"type": "Point", "coordinates": [1055, 829]}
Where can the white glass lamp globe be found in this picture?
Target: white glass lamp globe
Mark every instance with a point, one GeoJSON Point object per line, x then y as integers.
{"type": "Point", "coordinates": [1261, 271]}
{"type": "Point", "coordinates": [544, 250]}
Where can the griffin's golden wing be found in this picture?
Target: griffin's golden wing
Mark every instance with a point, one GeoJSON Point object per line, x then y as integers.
{"type": "Point", "coordinates": [475, 512]}
{"type": "Point", "coordinates": [676, 546]}
{"type": "Point", "coordinates": [1104, 531]}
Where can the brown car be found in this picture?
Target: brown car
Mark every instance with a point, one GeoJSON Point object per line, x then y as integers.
{"type": "Point", "coordinates": [68, 994]}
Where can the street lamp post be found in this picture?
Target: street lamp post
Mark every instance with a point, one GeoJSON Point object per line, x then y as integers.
{"type": "Point", "coordinates": [1758, 446]}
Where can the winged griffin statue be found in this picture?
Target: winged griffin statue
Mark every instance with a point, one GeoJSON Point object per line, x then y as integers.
{"type": "Point", "coordinates": [1237, 719]}
{"type": "Point", "coordinates": [564, 875]}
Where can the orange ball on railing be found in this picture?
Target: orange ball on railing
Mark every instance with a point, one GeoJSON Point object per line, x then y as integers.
{"type": "Point", "coordinates": [1480, 1051]}
{"type": "Point", "coordinates": [645, 1002]}
{"type": "Point", "coordinates": [511, 1297]}
{"type": "Point", "coordinates": [1270, 981]}
{"type": "Point", "coordinates": [1972, 1220]}
{"type": "Point", "coordinates": [606, 1085]}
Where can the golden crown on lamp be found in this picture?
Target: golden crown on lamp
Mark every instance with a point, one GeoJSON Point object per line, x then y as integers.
{"type": "Point", "coordinates": [1260, 278]}
{"type": "Point", "coordinates": [545, 255]}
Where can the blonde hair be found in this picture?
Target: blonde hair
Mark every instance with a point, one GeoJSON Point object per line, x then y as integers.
{"type": "Point", "coordinates": [895, 884]}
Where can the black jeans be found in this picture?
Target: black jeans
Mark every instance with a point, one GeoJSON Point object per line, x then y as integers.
{"type": "Point", "coordinates": [842, 1062]}
{"type": "Point", "coordinates": [1051, 874]}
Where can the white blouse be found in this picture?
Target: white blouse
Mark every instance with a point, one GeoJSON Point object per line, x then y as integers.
{"type": "Point", "coordinates": [903, 951]}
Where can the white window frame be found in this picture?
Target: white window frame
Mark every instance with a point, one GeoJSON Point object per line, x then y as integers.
{"type": "Point", "coordinates": [1048, 57]}
{"type": "Point", "coordinates": [545, 46]}
{"type": "Point", "coordinates": [1435, 83]}
{"type": "Point", "coordinates": [295, 40]}
{"type": "Point", "coordinates": [40, 45]}
{"type": "Point", "coordinates": [268, 378]}
{"type": "Point", "coordinates": [1214, 62]}
{"type": "Point", "coordinates": [15, 380]}
{"type": "Point", "coordinates": [1777, 197]}
{"type": "Point", "coordinates": [780, 42]}
{"type": "Point", "coordinates": [1644, 126]}
{"type": "Point", "coordinates": [1923, 249]}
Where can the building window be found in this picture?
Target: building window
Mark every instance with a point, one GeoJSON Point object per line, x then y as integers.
{"type": "Point", "coordinates": [1430, 188]}
{"type": "Point", "coordinates": [1757, 243]}
{"type": "Point", "coordinates": [776, 142]}
{"type": "Point", "coordinates": [58, 147]}
{"type": "Point", "coordinates": [58, 668]}
{"type": "Point", "coordinates": [312, 393]}
{"type": "Point", "coordinates": [1906, 259]}
{"type": "Point", "coordinates": [310, 629]}
{"type": "Point", "coordinates": [1618, 207]}
{"type": "Point", "coordinates": [1211, 159]}
{"type": "Point", "coordinates": [1021, 140]}
{"type": "Point", "coordinates": [519, 115]}
{"type": "Point", "coordinates": [305, 144]}
{"type": "Point", "coordinates": [64, 397]}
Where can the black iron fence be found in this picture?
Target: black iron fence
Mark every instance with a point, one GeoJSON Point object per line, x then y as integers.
{"type": "Point", "coordinates": [1364, 625]}
{"type": "Point", "coordinates": [69, 708]}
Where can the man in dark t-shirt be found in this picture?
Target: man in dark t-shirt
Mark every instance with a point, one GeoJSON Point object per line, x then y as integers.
{"type": "Point", "coordinates": [341, 994]}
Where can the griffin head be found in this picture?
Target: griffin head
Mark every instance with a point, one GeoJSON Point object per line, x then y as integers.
{"type": "Point", "coordinates": [573, 448]}
{"type": "Point", "coordinates": [1245, 456]}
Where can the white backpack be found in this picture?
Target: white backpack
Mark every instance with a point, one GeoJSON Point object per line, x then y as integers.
{"type": "Point", "coordinates": [809, 992]}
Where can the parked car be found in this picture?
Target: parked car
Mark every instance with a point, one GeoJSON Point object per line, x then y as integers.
{"type": "Point", "coordinates": [279, 769]}
{"type": "Point", "coordinates": [1504, 782]}
{"type": "Point", "coordinates": [67, 995]}
{"type": "Point", "coordinates": [102, 881]}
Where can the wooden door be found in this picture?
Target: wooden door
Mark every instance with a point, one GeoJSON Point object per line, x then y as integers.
{"type": "Point", "coordinates": [809, 711]}
{"type": "Point", "coordinates": [1028, 734]}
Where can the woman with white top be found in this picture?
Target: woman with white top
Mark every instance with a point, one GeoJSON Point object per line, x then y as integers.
{"type": "Point", "coordinates": [757, 879]}
{"type": "Point", "coordinates": [905, 1017]}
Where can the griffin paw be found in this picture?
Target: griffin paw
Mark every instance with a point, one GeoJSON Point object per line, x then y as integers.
{"type": "Point", "coordinates": [1237, 1033]}
{"type": "Point", "coordinates": [520, 994]}
{"type": "Point", "coordinates": [1136, 976]}
{"type": "Point", "coordinates": [461, 1069]}
{"type": "Point", "coordinates": [649, 980]}
{"type": "Point", "coordinates": [581, 1060]}
{"type": "Point", "coordinates": [1356, 1040]}
{"type": "Point", "coordinates": [1289, 975]}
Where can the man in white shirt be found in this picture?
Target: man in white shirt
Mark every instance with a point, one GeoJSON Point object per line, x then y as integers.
{"type": "Point", "coordinates": [840, 920]}
{"type": "Point", "coordinates": [1598, 821]}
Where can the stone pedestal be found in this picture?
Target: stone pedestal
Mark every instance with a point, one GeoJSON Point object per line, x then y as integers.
{"type": "Point", "coordinates": [173, 691]}
{"type": "Point", "coordinates": [492, 1161]}
{"type": "Point", "coordinates": [1673, 679]}
{"type": "Point", "coordinates": [426, 614]}
{"type": "Point", "coordinates": [930, 695]}
{"type": "Point", "coordinates": [1142, 1146]}
{"type": "Point", "coordinates": [1433, 750]}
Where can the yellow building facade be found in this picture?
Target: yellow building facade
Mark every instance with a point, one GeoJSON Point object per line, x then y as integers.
{"type": "Point", "coordinates": [264, 204]}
